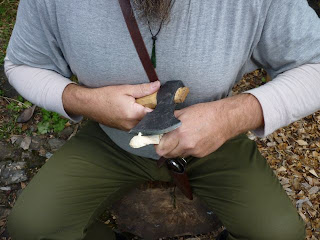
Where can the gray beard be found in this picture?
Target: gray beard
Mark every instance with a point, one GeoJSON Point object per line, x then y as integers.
{"type": "Point", "coordinates": [153, 10]}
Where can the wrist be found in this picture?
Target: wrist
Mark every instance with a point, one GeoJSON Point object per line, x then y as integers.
{"type": "Point", "coordinates": [244, 113]}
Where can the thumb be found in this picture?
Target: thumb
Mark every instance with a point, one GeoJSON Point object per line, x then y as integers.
{"type": "Point", "coordinates": [141, 90]}
{"type": "Point", "coordinates": [140, 111]}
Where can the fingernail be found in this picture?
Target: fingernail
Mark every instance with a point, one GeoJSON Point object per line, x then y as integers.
{"type": "Point", "coordinates": [149, 110]}
{"type": "Point", "coordinates": [155, 84]}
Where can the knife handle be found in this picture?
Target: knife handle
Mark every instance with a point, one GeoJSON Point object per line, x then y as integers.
{"type": "Point", "coordinates": [150, 101]}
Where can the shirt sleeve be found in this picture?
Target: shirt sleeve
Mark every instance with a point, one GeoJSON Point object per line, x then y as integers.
{"type": "Point", "coordinates": [291, 96]}
{"type": "Point", "coordinates": [42, 87]}
{"type": "Point", "coordinates": [290, 37]}
{"type": "Point", "coordinates": [35, 38]}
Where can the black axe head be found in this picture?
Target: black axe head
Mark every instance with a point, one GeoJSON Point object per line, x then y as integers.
{"type": "Point", "coordinates": [161, 120]}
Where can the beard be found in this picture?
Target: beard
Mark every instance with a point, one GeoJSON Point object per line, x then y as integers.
{"type": "Point", "coordinates": [153, 10]}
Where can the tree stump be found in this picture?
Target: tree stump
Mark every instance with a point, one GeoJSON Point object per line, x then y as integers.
{"type": "Point", "coordinates": [163, 212]}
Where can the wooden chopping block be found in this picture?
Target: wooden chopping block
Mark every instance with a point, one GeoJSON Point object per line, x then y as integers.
{"type": "Point", "coordinates": [153, 213]}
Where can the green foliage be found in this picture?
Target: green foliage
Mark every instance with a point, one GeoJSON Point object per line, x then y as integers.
{"type": "Point", "coordinates": [20, 98]}
{"type": "Point", "coordinates": [51, 122]}
{"type": "Point", "coordinates": [14, 107]}
{"type": "Point", "coordinates": [18, 105]}
{"type": "Point", "coordinates": [74, 78]}
{"type": "Point", "coordinates": [43, 127]}
{"type": "Point", "coordinates": [8, 11]}
{"type": "Point", "coordinates": [9, 128]}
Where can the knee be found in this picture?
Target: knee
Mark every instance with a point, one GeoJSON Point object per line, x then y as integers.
{"type": "Point", "coordinates": [23, 225]}
{"type": "Point", "coordinates": [281, 229]}
{"type": "Point", "coordinates": [19, 226]}
{"type": "Point", "coordinates": [286, 231]}
{"type": "Point", "coordinates": [291, 229]}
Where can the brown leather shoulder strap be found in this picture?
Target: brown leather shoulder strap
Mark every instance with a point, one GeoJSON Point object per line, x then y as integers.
{"type": "Point", "coordinates": [181, 179]}
{"type": "Point", "coordinates": [137, 39]}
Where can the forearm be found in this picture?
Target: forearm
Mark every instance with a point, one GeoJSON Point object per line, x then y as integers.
{"type": "Point", "coordinates": [243, 113]}
{"type": "Point", "coordinates": [113, 106]}
{"type": "Point", "coordinates": [77, 100]}
{"type": "Point", "coordinates": [80, 100]}
{"type": "Point", "coordinates": [206, 126]}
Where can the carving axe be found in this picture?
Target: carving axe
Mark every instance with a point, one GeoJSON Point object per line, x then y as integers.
{"type": "Point", "coordinates": [162, 119]}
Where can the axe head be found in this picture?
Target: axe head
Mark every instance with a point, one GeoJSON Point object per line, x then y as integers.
{"type": "Point", "coordinates": [161, 120]}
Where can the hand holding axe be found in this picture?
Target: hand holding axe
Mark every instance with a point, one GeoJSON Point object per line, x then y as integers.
{"type": "Point", "coordinates": [162, 120]}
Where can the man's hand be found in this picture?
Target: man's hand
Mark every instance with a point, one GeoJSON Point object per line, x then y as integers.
{"type": "Point", "coordinates": [113, 106]}
{"type": "Point", "coordinates": [206, 126]}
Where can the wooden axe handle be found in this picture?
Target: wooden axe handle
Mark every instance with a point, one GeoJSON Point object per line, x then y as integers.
{"type": "Point", "coordinates": [150, 101]}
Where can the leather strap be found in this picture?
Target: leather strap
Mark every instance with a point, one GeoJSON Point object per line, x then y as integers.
{"type": "Point", "coordinates": [180, 179]}
{"type": "Point", "coordinates": [137, 39]}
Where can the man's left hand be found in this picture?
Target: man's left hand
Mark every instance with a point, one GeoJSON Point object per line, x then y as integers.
{"type": "Point", "coordinates": [206, 126]}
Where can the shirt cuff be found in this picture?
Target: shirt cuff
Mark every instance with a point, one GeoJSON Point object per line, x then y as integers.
{"type": "Point", "coordinates": [56, 105]}
{"type": "Point", "coordinates": [270, 114]}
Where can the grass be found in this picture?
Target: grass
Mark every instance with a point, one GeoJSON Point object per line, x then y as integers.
{"type": "Point", "coordinates": [8, 11]}
{"type": "Point", "coordinates": [10, 109]}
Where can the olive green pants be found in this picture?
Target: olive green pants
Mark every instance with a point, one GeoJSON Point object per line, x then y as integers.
{"type": "Point", "coordinates": [90, 172]}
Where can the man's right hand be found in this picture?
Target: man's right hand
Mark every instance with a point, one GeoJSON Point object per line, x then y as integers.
{"type": "Point", "coordinates": [114, 106]}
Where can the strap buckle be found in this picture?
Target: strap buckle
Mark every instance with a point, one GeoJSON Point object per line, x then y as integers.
{"type": "Point", "coordinates": [177, 165]}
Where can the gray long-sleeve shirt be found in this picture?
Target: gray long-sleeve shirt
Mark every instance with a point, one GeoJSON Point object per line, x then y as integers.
{"type": "Point", "coordinates": [207, 44]}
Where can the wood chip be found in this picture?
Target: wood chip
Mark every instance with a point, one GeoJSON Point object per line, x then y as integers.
{"type": "Point", "coordinates": [281, 169]}
{"type": "Point", "coordinates": [313, 172]}
{"type": "Point", "coordinates": [141, 141]}
{"type": "Point", "coordinates": [302, 143]}
{"type": "Point", "coordinates": [303, 216]}
{"type": "Point", "coordinates": [23, 185]}
{"type": "Point", "coordinates": [313, 190]}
